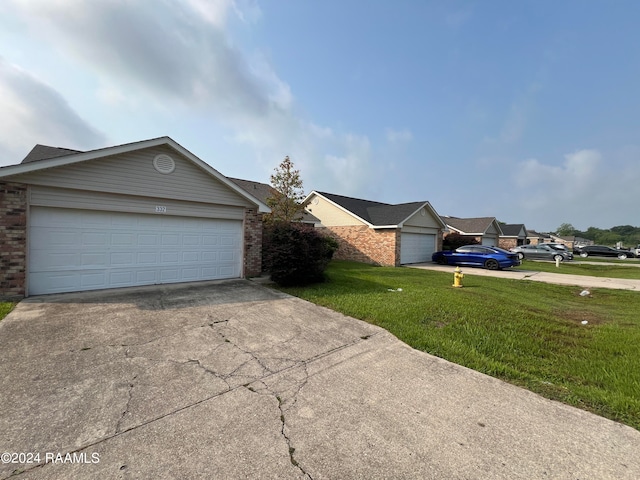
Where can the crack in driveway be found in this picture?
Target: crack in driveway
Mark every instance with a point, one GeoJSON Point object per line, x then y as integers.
{"type": "Point", "coordinates": [284, 400]}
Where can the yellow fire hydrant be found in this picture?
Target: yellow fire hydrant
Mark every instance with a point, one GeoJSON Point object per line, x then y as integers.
{"type": "Point", "coordinates": [457, 277]}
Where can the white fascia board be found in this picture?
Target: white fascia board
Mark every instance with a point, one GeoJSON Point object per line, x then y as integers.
{"type": "Point", "coordinates": [343, 209]}
{"type": "Point", "coordinates": [126, 148]}
{"type": "Point", "coordinates": [82, 156]}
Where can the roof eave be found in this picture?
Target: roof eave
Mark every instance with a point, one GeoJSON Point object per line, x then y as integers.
{"type": "Point", "coordinates": [23, 168]}
{"type": "Point", "coordinates": [313, 192]}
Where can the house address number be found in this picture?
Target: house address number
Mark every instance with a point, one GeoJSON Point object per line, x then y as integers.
{"type": "Point", "coordinates": [160, 209]}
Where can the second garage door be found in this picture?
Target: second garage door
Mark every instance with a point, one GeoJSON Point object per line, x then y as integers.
{"type": "Point", "coordinates": [74, 250]}
{"type": "Point", "coordinates": [416, 247]}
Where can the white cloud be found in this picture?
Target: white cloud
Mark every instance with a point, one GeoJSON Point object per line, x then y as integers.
{"type": "Point", "coordinates": [176, 59]}
{"type": "Point", "coordinates": [31, 109]}
{"type": "Point", "coordinates": [398, 136]}
{"type": "Point", "coordinates": [586, 189]}
{"type": "Point", "coordinates": [577, 173]}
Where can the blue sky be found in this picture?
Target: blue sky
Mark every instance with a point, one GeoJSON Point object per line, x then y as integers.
{"type": "Point", "coordinates": [528, 111]}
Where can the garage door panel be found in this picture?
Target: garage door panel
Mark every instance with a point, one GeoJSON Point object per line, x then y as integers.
{"type": "Point", "coordinates": [93, 280]}
{"type": "Point", "coordinates": [190, 257]}
{"type": "Point", "coordinates": [146, 277]}
{"type": "Point", "coordinates": [169, 257]}
{"type": "Point", "coordinates": [93, 260]}
{"type": "Point", "coordinates": [41, 238]}
{"type": "Point", "coordinates": [190, 240]}
{"type": "Point", "coordinates": [93, 250]}
{"type": "Point", "coordinates": [146, 239]}
{"type": "Point", "coordinates": [416, 247]}
{"type": "Point", "coordinates": [121, 259]}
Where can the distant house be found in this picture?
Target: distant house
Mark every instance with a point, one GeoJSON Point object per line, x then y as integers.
{"type": "Point", "coordinates": [513, 235]}
{"type": "Point", "coordinates": [571, 241]}
{"type": "Point", "coordinates": [378, 233]}
{"type": "Point", "coordinates": [485, 230]}
{"type": "Point", "coordinates": [536, 238]}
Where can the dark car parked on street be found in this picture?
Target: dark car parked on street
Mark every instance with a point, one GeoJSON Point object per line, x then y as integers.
{"type": "Point", "coordinates": [603, 251]}
{"type": "Point", "coordinates": [493, 258]}
{"type": "Point", "coordinates": [541, 252]}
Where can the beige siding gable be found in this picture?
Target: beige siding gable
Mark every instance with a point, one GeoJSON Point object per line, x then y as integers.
{"type": "Point", "coordinates": [492, 229]}
{"type": "Point", "coordinates": [329, 214]}
{"type": "Point", "coordinates": [133, 173]}
{"type": "Point", "coordinates": [423, 218]}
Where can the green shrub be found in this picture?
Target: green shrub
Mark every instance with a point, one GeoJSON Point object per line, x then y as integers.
{"type": "Point", "coordinates": [296, 254]}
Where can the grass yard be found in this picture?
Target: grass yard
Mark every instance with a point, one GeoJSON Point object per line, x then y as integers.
{"type": "Point", "coordinates": [5, 308]}
{"type": "Point", "coordinates": [527, 333]}
{"type": "Point", "coordinates": [570, 268]}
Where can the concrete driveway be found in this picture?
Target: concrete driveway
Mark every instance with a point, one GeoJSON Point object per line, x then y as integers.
{"type": "Point", "coordinates": [233, 380]}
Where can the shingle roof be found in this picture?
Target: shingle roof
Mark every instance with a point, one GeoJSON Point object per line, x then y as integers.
{"type": "Point", "coordinates": [469, 225]}
{"type": "Point", "coordinates": [512, 229]}
{"type": "Point", "coordinates": [263, 191]}
{"type": "Point", "coordinates": [533, 233]}
{"type": "Point", "coordinates": [43, 157]}
{"type": "Point", "coordinates": [375, 213]}
{"type": "Point", "coordinates": [44, 152]}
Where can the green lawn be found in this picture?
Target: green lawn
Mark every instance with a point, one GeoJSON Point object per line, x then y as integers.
{"type": "Point", "coordinates": [570, 268]}
{"type": "Point", "coordinates": [5, 308]}
{"type": "Point", "coordinates": [527, 333]}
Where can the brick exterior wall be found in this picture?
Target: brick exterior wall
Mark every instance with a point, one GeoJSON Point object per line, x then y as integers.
{"type": "Point", "coordinates": [13, 240]}
{"type": "Point", "coordinates": [252, 242]}
{"type": "Point", "coordinates": [366, 245]}
{"type": "Point", "coordinates": [508, 243]}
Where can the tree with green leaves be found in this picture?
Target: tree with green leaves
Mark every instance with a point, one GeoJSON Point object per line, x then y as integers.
{"type": "Point", "coordinates": [286, 201]}
{"type": "Point", "coordinates": [565, 230]}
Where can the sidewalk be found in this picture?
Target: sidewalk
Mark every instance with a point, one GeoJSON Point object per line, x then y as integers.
{"type": "Point", "coordinates": [556, 278]}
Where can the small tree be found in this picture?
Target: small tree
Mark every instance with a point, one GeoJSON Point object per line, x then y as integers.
{"type": "Point", "coordinates": [286, 202]}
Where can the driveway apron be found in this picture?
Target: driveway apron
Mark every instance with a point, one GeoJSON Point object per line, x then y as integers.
{"type": "Point", "coordinates": [234, 380]}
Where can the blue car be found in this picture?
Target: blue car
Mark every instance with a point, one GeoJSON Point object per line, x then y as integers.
{"type": "Point", "coordinates": [493, 258]}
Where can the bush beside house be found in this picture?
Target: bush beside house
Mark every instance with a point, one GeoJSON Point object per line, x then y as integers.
{"type": "Point", "coordinates": [296, 254]}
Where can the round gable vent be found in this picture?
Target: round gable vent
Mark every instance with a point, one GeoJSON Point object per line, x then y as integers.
{"type": "Point", "coordinates": [164, 164]}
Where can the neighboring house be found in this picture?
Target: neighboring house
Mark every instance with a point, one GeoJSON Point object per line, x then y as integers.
{"type": "Point", "coordinates": [263, 191]}
{"type": "Point", "coordinates": [513, 235]}
{"type": "Point", "coordinates": [485, 230]}
{"type": "Point", "coordinates": [536, 238]}
{"type": "Point", "coordinates": [378, 233]}
{"type": "Point", "coordinates": [142, 213]}
{"type": "Point", "coordinates": [571, 241]}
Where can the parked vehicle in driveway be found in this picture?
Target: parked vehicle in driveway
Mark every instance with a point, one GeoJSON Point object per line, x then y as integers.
{"type": "Point", "coordinates": [492, 258]}
{"type": "Point", "coordinates": [603, 251]}
{"type": "Point", "coordinates": [541, 252]}
{"type": "Point", "coordinates": [559, 246]}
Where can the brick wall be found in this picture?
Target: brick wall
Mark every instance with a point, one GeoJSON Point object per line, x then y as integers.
{"type": "Point", "coordinates": [364, 244]}
{"type": "Point", "coordinates": [252, 242]}
{"type": "Point", "coordinates": [13, 239]}
{"type": "Point", "coordinates": [508, 243]}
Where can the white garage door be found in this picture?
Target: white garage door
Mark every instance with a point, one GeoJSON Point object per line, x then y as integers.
{"type": "Point", "coordinates": [416, 247]}
{"type": "Point", "coordinates": [489, 240]}
{"type": "Point", "coordinates": [74, 250]}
